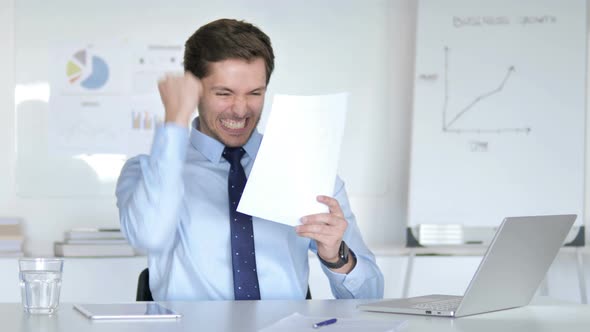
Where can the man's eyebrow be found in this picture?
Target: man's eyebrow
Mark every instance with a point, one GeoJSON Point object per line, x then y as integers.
{"type": "Point", "coordinates": [221, 88]}
{"type": "Point", "coordinates": [262, 88]}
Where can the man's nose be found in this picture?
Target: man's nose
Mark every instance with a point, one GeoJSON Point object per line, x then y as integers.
{"type": "Point", "coordinates": [240, 107]}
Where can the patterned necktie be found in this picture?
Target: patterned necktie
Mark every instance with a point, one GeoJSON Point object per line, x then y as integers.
{"type": "Point", "coordinates": [242, 233]}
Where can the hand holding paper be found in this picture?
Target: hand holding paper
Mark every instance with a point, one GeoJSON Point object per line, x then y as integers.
{"type": "Point", "coordinates": [297, 160]}
{"type": "Point", "coordinates": [326, 228]}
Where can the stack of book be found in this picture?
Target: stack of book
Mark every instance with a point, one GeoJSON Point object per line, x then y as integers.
{"type": "Point", "coordinates": [443, 234]}
{"type": "Point", "coordinates": [11, 237]}
{"type": "Point", "coordinates": [93, 242]}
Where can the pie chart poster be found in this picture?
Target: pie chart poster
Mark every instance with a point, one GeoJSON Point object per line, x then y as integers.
{"type": "Point", "coordinates": [89, 70]}
{"type": "Point", "coordinates": [90, 89]}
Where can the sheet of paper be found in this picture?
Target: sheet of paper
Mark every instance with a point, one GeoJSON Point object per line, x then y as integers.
{"type": "Point", "coordinates": [300, 323]}
{"type": "Point", "coordinates": [298, 158]}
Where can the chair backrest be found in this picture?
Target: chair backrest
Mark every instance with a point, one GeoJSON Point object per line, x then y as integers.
{"type": "Point", "coordinates": [143, 287]}
{"type": "Point", "coordinates": [145, 294]}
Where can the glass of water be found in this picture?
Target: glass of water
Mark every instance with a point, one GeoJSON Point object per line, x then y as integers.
{"type": "Point", "coordinates": [40, 284]}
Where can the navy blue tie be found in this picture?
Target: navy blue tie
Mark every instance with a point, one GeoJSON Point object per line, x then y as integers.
{"type": "Point", "coordinates": [242, 233]}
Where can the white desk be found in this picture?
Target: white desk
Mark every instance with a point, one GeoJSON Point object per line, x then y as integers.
{"type": "Point", "coordinates": [546, 315]}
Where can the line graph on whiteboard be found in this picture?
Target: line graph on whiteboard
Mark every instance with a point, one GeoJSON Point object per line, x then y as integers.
{"type": "Point", "coordinates": [451, 116]}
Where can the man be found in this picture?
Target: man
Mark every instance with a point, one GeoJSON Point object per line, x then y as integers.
{"type": "Point", "coordinates": [179, 203]}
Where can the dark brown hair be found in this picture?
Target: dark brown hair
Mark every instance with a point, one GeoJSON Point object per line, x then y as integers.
{"type": "Point", "coordinates": [226, 39]}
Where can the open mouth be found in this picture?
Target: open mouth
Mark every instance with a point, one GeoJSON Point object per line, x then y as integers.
{"type": "Point", "coordinates": [233, 124]}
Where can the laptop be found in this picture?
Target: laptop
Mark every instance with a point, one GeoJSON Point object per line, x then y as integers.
{"type": "Point", "coordinates": [507, 277]}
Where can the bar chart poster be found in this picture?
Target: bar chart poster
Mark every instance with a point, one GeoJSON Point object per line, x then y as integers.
{"type": "Point", "coordinates": [498, 123]}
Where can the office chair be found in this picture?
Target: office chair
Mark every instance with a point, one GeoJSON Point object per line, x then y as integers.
{"type": "Point", "coordinates": [145, 294]}
{"type": "Point", "coordinates": [143, 287]}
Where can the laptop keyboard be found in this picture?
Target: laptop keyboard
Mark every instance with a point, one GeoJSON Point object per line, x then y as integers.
{"type": "Point", "coordinates": [442, 305]}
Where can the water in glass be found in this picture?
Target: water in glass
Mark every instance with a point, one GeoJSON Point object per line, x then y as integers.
{"type": "Point", "coordinates": [40, 291]}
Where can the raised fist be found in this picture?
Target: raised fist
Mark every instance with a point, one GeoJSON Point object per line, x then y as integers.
{"type": "Point", "coordinates": [180, 96]}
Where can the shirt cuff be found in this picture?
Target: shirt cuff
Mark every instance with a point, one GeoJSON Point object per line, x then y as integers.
{"type": "Point", "coordinates": [350, 283]}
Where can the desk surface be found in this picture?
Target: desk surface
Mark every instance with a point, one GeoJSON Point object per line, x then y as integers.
{"type": "Point", "coordinates": [546, 315]}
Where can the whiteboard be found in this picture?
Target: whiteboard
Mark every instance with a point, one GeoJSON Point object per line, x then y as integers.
{"type": "Point", "coordinates": [499, 111]}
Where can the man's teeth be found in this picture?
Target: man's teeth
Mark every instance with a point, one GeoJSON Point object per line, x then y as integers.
{"type": "Point", "coordinates": [232, 124]}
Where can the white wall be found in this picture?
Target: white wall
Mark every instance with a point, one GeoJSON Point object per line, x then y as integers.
{"type": "Point", "coordinates": [45, 219]}
{"type": "Point", "coordinates": [382, 215]}
{"type": "Point", "coordinates": [7, 199]}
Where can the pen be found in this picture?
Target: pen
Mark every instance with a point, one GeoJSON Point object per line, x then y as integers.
{"type": "Point", "coordinates": [324, 323]}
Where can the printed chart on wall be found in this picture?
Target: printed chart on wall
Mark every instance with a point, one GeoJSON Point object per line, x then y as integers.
{"type": "Point", "coordinates": [499, 111]}
{"type": "Point", "coordinates": [105, 99]}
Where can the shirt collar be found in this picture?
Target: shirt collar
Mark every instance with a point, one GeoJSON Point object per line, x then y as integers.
{"type": "Point", "coordinates": [212, 148]}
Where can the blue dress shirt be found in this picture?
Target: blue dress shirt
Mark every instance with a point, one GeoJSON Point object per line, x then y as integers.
{"type": "Point", "coordinates": [173, 204]}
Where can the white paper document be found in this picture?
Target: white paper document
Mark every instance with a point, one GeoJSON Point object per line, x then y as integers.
{"type": "Point", "coordinates": [300, 323]}
{"type": "Point", "coordinates": [297, 159]}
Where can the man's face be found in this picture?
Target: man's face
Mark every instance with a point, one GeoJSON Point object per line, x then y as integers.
{"type": "Point", "coordinates": [232, 100]}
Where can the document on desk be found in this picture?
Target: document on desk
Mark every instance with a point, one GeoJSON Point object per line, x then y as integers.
{"type": "Point", "coordinates": [300, 323]}
{"type": "Point", "coordinates": [297, 159]}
